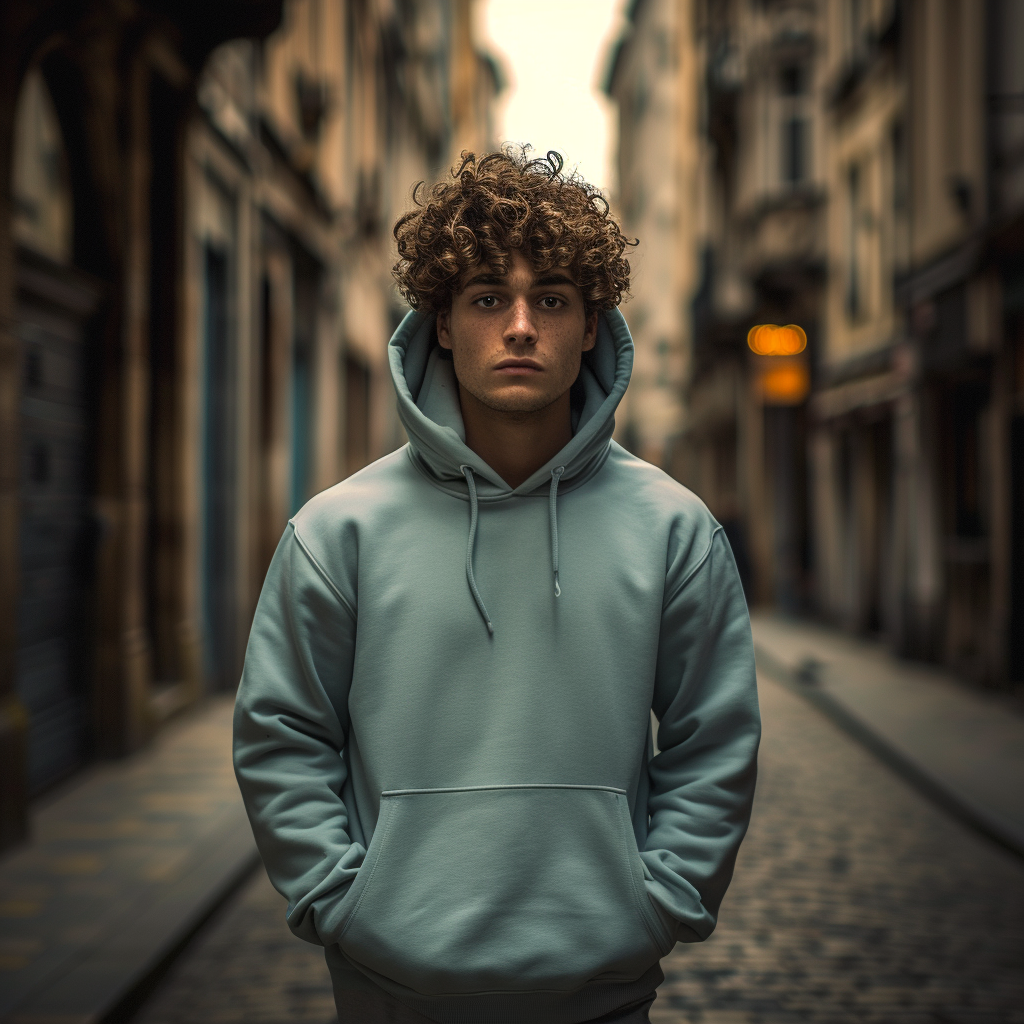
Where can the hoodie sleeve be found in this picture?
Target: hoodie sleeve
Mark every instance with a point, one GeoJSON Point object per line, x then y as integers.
{"type": "Point", "coordinates": [290, 728]}
{"type": "Point", "coordinates": [702, 781]}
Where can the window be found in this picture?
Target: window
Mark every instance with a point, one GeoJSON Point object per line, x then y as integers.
{"type": "Point", "coordinates": [794, 123]}
{"type": "Point", "coordinates": [217, 469]}
{"type": "Point", "coordinates": [305, 307]}
{"type": "Point", "coordinates": [792, 80]}
{"type": "Point", "coordinates": [163, 527]}
{"type": "Point", "coordinates": [854, 296]}
{"type": "Point", "coordinates": [953, 85]}
{"type": "Point", "coordinates": [900, 185]}
{"type": "Point", "coordinates": [42, 195]}
{"type": "Point", "coordinates": [793, 150]}
{"type": "Point", "coordinates": [967, 407]}
{"type": "Point", "coordinates": [357, 414]}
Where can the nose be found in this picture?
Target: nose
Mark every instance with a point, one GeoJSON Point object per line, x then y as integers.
{"type": "Point", "coordinates": [520, 328]}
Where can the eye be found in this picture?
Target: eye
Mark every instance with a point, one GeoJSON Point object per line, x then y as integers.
{"type": "Point", "coordinates": [552, 302]}
{"type": "Point", "coordinates": [486, 301]}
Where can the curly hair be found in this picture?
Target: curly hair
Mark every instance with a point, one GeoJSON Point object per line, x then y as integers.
{"type": "Point", "coordinates": [500, 204]}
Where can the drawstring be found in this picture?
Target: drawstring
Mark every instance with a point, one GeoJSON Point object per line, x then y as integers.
{"type": "Point", "coordinates": [556, 475]}
{"type": "Point", "coordinates": [473, 513]}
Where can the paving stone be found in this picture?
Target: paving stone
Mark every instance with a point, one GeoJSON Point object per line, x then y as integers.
{"type": "Point", "coordinates": [854, 899]}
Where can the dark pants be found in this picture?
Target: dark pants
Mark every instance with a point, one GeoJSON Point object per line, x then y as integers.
{"type": "Point", "coordinates": [359, 1001]}
{"type": "Point", "coordinates": [359, 1005]}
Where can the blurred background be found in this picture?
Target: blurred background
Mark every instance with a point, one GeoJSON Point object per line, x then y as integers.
{"type": "Point", "coordinates": [196, 203]}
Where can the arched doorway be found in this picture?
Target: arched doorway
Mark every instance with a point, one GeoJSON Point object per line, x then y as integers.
{"type": "Point", "coordinates": [56, 527]}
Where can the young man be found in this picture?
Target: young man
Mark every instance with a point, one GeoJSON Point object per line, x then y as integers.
{"type": "Point", "coordinates": [443, 730]}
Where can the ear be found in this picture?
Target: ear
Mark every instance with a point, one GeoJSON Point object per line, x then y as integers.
{"type": "Point", "coordinates": [444, 333]}
{"type": "Point", "coordinates": [590, 332]}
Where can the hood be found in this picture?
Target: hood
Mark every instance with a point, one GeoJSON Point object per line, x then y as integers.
{"type": "Point", "coordinates": [428, 406]}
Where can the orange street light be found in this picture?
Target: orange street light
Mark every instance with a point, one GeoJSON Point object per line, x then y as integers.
{"type": "Point", "coordinates": [769, 340]}
{"type": "Point", "coordinates": [784, 381]}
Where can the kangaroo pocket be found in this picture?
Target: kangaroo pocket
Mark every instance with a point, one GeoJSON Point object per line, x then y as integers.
{"type": "Point", "coordinates": [503, 889]}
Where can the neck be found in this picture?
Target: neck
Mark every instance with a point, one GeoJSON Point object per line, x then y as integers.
{"type": "Point", "coordinates": [515, 444]}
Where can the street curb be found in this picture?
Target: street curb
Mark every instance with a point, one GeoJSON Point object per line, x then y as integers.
{"type": "Point", "coordinates": [926, 782]}
{"type": "Point", "coordinates": [110, 982]}
{"type": "Point", "coordinates": [135, 997]}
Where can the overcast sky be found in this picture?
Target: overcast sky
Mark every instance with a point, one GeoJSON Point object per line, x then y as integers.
{"type": "Point", "coordinates": [555, 53]}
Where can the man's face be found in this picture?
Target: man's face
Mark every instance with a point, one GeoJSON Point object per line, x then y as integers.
{"type": "Point", "coordinates": [516, 341]}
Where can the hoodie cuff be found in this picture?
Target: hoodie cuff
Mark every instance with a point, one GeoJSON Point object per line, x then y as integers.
{"type": "Point", "coordinates": [320, 916]}
{"type": "Point", "coordinates": [679, 906]}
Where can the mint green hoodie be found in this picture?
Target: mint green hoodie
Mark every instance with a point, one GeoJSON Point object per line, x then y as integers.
{"type": "Point", "coordinates": [442, 733]}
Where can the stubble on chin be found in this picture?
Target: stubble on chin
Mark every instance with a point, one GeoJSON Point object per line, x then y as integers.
{"type": "Point", "coordinates": [511, 403]}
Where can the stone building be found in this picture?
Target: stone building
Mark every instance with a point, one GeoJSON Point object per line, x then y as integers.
{"type": "Point", "coordinates": [195, 213]}
{"type": "Point", "coordinates": [722, 93]}
{"type": "Point", "coordinates": [861, 176]}
{"type": "Point", "coordinates": [917, 438]}
{"type": "Point", "coordinates": [762, 255]}
{"type": "Point", "coordinates": [652, 78]}
{"type": "Point", "coordinates": [862, 364]}
{"type": "Point", "coordinates": [764, 264]}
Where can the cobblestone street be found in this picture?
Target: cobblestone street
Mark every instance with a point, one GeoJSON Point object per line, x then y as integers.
{"type": "Point", "coordinates": [854, 900]}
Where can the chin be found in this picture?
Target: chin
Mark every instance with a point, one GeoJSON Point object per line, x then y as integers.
{"type": "Point", "coordinates": [516, 402]}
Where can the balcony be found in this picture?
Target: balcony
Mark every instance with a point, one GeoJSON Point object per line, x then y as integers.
{"type": "Point", "coordinates": [784, 235]}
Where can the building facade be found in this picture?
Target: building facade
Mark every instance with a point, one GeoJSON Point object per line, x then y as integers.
{"type": "Point", "coordinates": [730, 237]}
{"type": "Point", "coordinates": [916, 441]}
{"type": "Point", "coordinates": [652, 78]}
{"type": "Point", "coordinates": [763, 262]}
{"type": "Point", "coordinates": [860, 178]}
{"type": "Point", "coordinates": [865, 111]}
{"type": "Point", "coordinates": [195, 299]}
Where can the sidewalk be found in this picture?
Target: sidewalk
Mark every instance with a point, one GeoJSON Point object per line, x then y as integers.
{"type": "Point", "coordinates": [121, 869]}
{"type": "Point", "coordinates": [962, 747]}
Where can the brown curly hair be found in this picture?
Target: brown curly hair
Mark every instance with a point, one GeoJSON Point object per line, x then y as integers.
{"type": "Point", "coordinates": [500, 204]}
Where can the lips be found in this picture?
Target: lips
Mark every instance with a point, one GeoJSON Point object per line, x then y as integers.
{"type": "Point", "coordinates": [518, 367]}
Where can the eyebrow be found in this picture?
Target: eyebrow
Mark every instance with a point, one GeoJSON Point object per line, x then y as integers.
{"type": "Point", "coordinates": [542, 282]}
{"type": "Point", "coordinates": [493, 279]}
{"type": "Point", "coordinates": [550, 279]}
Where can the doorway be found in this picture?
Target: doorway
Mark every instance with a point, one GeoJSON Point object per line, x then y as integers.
{"type": "Point", "coordinates": [57, 528]}
{"type": "Point", "coordinates": [218, 605]}
{"type": "Point", "coordinates": [1016, 637]}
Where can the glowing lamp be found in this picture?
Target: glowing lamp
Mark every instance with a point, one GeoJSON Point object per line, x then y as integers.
{"type": "Point", "coordinates": [786, 382]}
{"type": "Point", "coordinates": [770, 340]}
